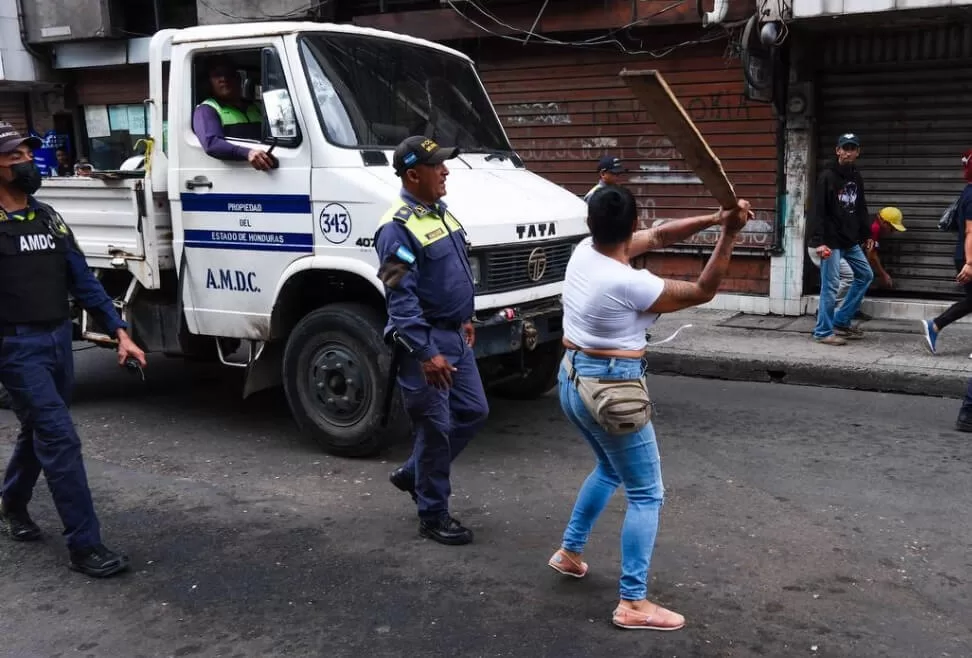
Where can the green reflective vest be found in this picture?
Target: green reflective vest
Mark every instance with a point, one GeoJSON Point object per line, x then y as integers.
{"type": "Point", "coordinates": [237, 123]}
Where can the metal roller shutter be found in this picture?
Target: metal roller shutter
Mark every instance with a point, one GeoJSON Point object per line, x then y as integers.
{"type": "Point", "coordinates": [907, 96]}
{"type": "Point", "coordinates": [564, 109]}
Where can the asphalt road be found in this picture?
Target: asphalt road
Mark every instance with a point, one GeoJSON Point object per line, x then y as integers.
{"type": "Point", "coordinates": [798, 522]}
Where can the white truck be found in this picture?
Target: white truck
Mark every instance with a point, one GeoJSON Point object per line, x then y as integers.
{"type": "Point", "coordinates": [275, 272]}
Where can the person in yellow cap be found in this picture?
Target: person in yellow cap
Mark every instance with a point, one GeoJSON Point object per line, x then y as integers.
{"type": "Point", "coordinates": [887, 221]}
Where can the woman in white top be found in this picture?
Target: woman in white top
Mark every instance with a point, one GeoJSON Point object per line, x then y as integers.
{"type": "Point", "coordinates": [608, 305]}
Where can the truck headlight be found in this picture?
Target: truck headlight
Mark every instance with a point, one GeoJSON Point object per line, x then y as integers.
{"type": "Point", "coordinates": [474, 266]}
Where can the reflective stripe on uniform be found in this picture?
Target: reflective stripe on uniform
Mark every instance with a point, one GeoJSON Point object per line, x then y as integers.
{"type": "Point", "coordinates": [427, 227]}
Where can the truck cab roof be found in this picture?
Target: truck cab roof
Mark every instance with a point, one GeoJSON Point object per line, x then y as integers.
{"type": "Point", "coordinates": [232, 31]}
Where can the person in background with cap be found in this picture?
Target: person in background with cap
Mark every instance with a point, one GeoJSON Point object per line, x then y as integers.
{"type": "Point", "coordinates": [963, 265]}
{"type": "Point", "coordinates": [888, 220]}
{"type": "Point", "coordinates": [226, 115]}
{"type": "Point", "coordinates": [40, 265]}
{"type": "Point", "coordinates": [430, 293]}
{"type": "Point", "coordinates": [609, 169]}
{"type": "Point", "coordinates": [842, 225]}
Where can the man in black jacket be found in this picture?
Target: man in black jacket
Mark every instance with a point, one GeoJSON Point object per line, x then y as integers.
{"type": "Point", "coordinates": [841, 227]}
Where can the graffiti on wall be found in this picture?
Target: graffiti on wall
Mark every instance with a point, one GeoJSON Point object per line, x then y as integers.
{"type": "Point", "coordinates": [759, 232]}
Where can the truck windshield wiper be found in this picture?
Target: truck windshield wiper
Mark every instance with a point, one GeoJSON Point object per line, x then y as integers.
{"type": "Point", "coordinates": [497, 155]}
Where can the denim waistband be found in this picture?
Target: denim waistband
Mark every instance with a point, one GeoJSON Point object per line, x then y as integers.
{"type": "Point", "coordinates": [605, 367]}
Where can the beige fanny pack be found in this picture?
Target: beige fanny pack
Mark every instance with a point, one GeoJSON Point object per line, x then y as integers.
{"type": "Point", "coordinates": [620, 406]}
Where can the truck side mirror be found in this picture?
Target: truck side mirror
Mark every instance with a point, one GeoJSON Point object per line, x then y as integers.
{"type": "Point", "coordinates": [281, 120]}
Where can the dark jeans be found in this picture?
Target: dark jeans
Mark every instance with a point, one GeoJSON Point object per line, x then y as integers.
{"type": "Point", "coordinates": [37, 369]}
{"type": "Point", "coordinates": [960, 308]}
{"type": "Point", "coordinates": [445, 421]}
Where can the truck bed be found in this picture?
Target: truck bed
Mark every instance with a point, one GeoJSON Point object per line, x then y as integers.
{"type": "Point", "coordinates": [115, 219]}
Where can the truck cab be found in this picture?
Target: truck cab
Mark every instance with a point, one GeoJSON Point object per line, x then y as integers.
{"type": "Point", "coordinates": [275, 271]}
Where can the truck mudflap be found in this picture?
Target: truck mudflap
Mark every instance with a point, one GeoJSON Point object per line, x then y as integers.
{"type": "Point", "coordinates": [509, 330]}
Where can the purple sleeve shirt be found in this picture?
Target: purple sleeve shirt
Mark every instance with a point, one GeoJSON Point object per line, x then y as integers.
{"type": "Point", "coordinates": [209, 130]}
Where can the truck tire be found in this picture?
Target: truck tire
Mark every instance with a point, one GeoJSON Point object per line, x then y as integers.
{"type": "Point", "coordinates": [544, 364]}
{"type": "Point", "coordinates": [4, 398]}
{"type": "Point", "coordinates": [335, 374]}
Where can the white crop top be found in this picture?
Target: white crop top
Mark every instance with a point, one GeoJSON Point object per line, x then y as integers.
{"type": "Point", "coordinates": [605, 301]}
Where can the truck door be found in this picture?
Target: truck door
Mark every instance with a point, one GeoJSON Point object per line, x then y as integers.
{"type": "Point", "coordinates": [241, 227]}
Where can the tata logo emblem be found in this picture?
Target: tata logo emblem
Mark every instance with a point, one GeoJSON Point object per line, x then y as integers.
{"type": "Point", "coordinates": [537, 264]}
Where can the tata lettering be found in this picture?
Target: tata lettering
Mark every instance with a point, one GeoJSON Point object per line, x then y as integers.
{"type": "Point", "coordinates": [524, 231]}
{"type": "Point", "coordinates": [235, 280]}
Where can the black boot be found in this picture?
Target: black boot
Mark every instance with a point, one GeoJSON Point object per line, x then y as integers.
{"type": "Point", "coordinates": [18, 524]}
{"type": "Point", "coordinates": [964, 421]}
{"type": "Point", "coordinates": [445, 530]}
{"type": "Point", "coordinates": [98, 561]}
{"type": "Point", "coordinates": [404, 481]}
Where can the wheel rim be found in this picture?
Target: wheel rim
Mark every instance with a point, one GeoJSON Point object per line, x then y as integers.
{"type": "Point", "coordinates": [339, 385]}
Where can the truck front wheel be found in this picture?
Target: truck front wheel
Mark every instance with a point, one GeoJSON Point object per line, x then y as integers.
{"type": "Point", "coordinates": [542, 364]}
{"type": "Point", "coordinates": [335, 378]}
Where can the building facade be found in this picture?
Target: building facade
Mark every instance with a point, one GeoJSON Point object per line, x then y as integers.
{"type": "Point", "coordinates": [551, 70]}
{"type": "Point", "coordinates": [899, 77]}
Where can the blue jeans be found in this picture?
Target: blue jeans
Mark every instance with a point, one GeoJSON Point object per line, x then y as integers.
{"type": "Point", "coordinates": [631, 460]}
{"type": "Point", "coordinates": [827, 318]}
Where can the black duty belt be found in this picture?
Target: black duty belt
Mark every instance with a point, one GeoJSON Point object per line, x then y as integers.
{"type": "Point", "coordinates": [28, 327]}
{"type": "Point", "coordinates": [445, 325]}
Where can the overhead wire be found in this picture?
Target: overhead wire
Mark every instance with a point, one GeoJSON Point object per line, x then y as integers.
{"type": "Point", "coordinates": [596, 42]}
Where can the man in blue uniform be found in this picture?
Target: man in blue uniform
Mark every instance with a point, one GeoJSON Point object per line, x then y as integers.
{"type": "Point", "coordinates": [609, 170]}
{"type": "Point", "coordinates": [40, 264]}
{"type": "Point", "coordinates": [430, 297]}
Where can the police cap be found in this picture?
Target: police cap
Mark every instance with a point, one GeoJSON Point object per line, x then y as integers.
{"type": "Point", "coordinates": [418, 150]}
{"type": "Point", "coordinates": [10, 139]}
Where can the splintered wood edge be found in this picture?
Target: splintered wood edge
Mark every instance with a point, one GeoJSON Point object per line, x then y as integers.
{"type": "Point", "coordinates": [671, 124]}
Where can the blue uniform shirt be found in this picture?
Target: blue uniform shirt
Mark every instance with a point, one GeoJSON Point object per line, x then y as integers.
{"type": "Point", "coordinates": [437, 287]}
{"type": "Point", "coordinates": [82, 284]}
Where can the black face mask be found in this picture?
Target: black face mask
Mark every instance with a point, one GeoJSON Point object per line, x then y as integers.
{"type": "Point", "coordinates": [26, 177]}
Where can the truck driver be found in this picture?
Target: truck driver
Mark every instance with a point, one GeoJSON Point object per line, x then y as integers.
{"type": "Point", "coordinates": [226, 114]}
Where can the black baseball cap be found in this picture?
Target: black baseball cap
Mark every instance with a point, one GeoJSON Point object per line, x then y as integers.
{"type": "Point", "coordinates": [848, 138]}
{"type": "Point", "coordinates": [10, 139]}
{"type": "Point", "coordinates": [611, 163]}
{"type": "Point", "coordinates": [417, 150]}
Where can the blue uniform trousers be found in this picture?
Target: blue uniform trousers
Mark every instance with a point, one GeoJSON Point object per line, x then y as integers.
{"type": "Point", "coordinates": [445, 420]}
{"type": "Point", "coordinates": [37, 369]}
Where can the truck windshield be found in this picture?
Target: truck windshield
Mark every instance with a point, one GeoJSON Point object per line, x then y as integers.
{"type": "Point", "coordinates": [373, 93]}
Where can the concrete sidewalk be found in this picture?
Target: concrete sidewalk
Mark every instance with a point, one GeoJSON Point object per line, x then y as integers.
{"type": "Point", "coordinates": [891, 357]}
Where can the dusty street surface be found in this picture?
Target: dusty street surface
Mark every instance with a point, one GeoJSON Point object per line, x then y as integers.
{"type": "Point", "coordinates": [798, 522]}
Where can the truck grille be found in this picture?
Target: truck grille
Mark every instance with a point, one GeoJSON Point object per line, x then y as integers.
{"type": "Point", "coordinates": [511, 268]}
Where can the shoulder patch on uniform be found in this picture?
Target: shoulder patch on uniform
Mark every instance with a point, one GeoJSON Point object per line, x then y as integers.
{"type": "Point", "coordinates": [403, 214]}
{"type": "Point", "coordinates": [405, 254]}
{"type": "Point", "coordinates": [54, 220]}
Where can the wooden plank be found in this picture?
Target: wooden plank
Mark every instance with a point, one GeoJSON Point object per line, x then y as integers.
{"type": "Point", "coordinates": [653, 92]}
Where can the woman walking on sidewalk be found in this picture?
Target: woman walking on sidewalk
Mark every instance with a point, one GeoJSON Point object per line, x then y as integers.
{"type": "Point", "coordinates": [608, 306]}
{"type": "Point", "coordinates": [963, 262]}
